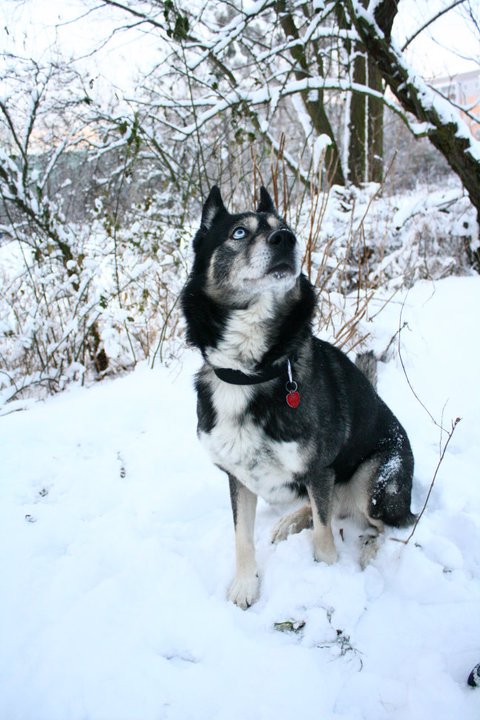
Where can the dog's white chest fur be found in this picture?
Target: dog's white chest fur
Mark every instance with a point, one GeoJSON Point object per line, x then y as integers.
{"type": "Point", "coordinates": [243, 449]}
{"type": "Point", "coordinates": [244, 337]}
{"type": "Point", "coordinates": [236, 443]}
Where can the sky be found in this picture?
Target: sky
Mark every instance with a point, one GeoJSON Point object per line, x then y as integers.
{"type": "Point", "coordinates": [42, 28]}
{"type": "Point", "coordinates": [451, 45]}
{"type": "Point", "coordinates": [34, 27]}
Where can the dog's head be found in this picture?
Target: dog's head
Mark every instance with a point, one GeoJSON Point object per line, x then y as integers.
{"type": "Point", "coordinates": [246, 254]}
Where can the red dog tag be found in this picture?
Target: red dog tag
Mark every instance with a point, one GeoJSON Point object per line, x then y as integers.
{"type": "Point", "coordinates": [293, 399]}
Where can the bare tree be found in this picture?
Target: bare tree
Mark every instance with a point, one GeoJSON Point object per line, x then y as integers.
{"type": "Point", "coordinates": [441, 122]}
{"type": "Point", "coordinates": [259, 68]}
{"type": "Point", "coordinates": [276, 63]}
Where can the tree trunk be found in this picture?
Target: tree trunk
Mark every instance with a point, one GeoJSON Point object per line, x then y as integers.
{"type": "Point", "coordinates": [315, 108]}
{"type": "Point", "coordinates": [375, 125]}
{"type": "Point", "coordinates": [357, 125]}
{"type": "Point", "coordinates": [365, 123]}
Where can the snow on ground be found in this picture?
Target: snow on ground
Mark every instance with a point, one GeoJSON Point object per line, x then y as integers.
{"type": "Point", "coordinates": [117, 551]}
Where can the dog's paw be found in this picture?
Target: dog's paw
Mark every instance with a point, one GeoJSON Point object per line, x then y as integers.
{"type": "Point", "coordinates": [324, 549]}
{"type": "Point", "coordinates": [294, 523]}
{"type": "Point", "coordinates": [285, 527]}
{"type": "Point", "coordinates": [369, 545]}
{"type": "Point", "coordinates": [244, 591]}
{"type": "Point", "coordinates": [326, 555]}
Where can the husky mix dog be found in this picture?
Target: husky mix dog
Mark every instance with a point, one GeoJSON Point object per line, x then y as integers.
{"type": "Point", "coordinates": [283, 413]}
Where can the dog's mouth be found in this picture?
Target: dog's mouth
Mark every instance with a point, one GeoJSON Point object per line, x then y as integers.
{"type": "Point", "coordinates": [281, 270]}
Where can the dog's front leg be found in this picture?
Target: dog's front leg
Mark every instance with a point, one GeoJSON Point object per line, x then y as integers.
{"type": "Point", "coordinates": [244, 589]}
{"type": "Point", "coordinates": [320, 492]}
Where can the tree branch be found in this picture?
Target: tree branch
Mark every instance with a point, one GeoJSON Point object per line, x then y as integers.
{"type": "Point", "coordinates": [430, 22]}
{"type": "Point", "coordinates": [190, 38]}
{"type": "Point", "coordinates": [442, 455]}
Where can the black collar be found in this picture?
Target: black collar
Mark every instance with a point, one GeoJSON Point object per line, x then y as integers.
{"type": "Point", "coordinates": [237, 377]}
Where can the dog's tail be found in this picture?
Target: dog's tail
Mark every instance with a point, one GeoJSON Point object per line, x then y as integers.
{"type": "Point", "coordinates": [367, 363]}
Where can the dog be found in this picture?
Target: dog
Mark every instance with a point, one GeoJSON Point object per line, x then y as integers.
{"type": "Point", "coordinates": [281, 412]}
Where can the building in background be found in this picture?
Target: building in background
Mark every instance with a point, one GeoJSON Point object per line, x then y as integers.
{"type": "Point", "coordinates": [464, 91]}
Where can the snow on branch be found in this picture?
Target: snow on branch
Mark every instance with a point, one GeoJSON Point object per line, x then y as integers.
{"type": "Point", "coordinates": [230, 32]}
{"type": "Point", "coordinates": [269, 94]}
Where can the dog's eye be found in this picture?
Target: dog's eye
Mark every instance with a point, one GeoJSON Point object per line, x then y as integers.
{"type": "Point", "coordinates": [239, 233]}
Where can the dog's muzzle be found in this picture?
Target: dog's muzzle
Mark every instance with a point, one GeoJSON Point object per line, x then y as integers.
{"type": "Point", "coordinates": [282, 244]}
{"type": "Point", "coordinates": [282, 239]}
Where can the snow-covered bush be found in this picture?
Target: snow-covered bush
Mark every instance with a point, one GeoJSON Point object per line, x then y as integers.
{"type": "Point", "coordinates": [359, 241]}
{"type": "Point", "coordinates": [91, 237]}
{"type": "Point", "coordinates": [114, 301]}
{"type": "Point", "coordinates": [109, 306]}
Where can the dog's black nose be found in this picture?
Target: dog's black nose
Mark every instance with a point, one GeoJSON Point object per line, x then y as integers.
{"type": "Point", "coordinates": [283, 237]}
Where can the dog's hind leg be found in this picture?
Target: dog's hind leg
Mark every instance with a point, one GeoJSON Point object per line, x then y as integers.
{"type": "Point", "coordinates": [293, 523]}
{"type": "Point", "coordinates": [377, 494]}
{"type": "Point", "coordinates": [390, 491]}
{"type": "Point", "coordinates": [321, 498]}
{"type": "Point", "coordinates": [354, 498]}
{"type": "Point", "coordinates": [244, 589]}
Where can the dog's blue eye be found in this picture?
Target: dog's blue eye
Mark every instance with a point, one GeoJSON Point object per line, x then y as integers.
{"type": "Point", "coordinates": [239, 233]}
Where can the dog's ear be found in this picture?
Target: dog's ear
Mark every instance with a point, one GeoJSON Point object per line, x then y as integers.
{"type": "Point", "coordinates": [266, 203]}
{"type": "Point", "coordinates": [212, 208]}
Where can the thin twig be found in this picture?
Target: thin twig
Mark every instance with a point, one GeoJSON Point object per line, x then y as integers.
{"type": "Point", "coordinates": [400, 323]}
{"type": "Point", "coordinates": [419, 516]}
{"type": "Point", "coordinates": [430, 21]}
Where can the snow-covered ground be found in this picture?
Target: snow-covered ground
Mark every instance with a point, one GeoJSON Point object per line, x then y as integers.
{"type": "Point", "coordinates": [117, 551]}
